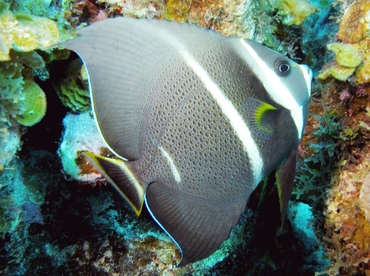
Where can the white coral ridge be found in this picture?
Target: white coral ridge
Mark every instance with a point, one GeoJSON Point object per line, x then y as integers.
{"type": "Point", "coordinates": [365, 196]}
{"type": "Point", "coordinates": [80, 134]}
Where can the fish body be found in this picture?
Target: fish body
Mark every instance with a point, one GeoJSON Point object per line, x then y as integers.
{"type": "Point", "coordinates": [196, 120]}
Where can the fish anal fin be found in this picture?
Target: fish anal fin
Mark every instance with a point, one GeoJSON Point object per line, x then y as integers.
{"type": "Point", "coordinates": [285, 180]}
{"type": "Point", "coordinates": [196, 225]}
{"type": "Point", "coordinates": [118, 173]}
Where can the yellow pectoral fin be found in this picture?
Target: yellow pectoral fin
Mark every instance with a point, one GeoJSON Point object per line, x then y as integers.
{"type": "Point", "coordinates": [260, 115]}
{"type": "Point", "coordinates": [119, 174]}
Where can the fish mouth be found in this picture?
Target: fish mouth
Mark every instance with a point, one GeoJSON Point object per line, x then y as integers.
{"type": "Point", "coordinates": [307, 73]}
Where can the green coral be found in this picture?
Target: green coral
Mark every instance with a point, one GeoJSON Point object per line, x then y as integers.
{"type": "Point", "coordinates": [30, 104]}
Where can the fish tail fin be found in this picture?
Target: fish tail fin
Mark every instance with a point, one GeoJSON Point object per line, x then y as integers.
{"type": "Point", "coordinates": [119, 174]}
{"type": "Point", "coordinates": [285, 181]}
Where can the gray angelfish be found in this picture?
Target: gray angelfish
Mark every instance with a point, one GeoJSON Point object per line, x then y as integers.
{"type": "Point", "coordinates": [196, 120]}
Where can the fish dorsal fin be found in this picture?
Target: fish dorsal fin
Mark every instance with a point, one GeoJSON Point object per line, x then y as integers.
{"type": "Point", "coordinates": [119, 174]}
{"type": "Point", "coordinates": [121, 57]}
{"type": "Point", "coordinates": [285, 180]}
{"type": "Point", "coordinates": [197, 226]}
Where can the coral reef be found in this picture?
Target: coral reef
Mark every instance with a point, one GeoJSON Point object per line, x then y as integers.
{"type": "Point", "coordinates": [352, 58]}
{"type": "Point", "coordinates": [332, 176]}
{"type": "Point", "coordinates": [347, 228]}
{"type": "Point", "coordinates": [50, 225]}
{"type": "Point", "coordinates": [336, 156]}
{"type": "Point", "coordinates": [25, 53]}
{"type": "Point", "coordinates": [243, 18]}
{"type": "Point", "coordinates": [365, 196]}
{"type": "Point", "coordinates": [346, 220]}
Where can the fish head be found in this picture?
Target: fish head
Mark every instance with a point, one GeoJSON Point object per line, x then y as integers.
{"type": "Point", "coordinates": [287, 83]}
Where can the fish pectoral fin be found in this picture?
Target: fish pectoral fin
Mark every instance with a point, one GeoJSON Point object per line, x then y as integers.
{"type": "Point", "coordinates": [197, 225]}
{"type": "Point", "coordinates": [263, 115]}
{"type": "Point", "coordinates": [285, 180]}
{"type": "Point", "coordinates": [119, 174]}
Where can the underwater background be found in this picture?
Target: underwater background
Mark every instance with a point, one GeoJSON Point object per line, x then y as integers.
{"type": "Point", "coordinates": [58, 218]}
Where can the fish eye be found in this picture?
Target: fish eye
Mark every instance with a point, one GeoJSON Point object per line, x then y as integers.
{"type": "Point", "coordinates": [282, 68]}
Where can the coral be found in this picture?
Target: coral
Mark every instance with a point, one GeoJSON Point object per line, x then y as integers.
{"type": "Point", "coordinates": [352, 53]}
{"type": "Point", "coordinates": [78, 229]}
{"type": "Point", "coordinates": [318, 156]}
{"type": "Point", "coordinates": [346, 228]}
{"type": "Point", "coordinates": [177, 10]}
{"type": "Point", "coordinates": [292, 12]}
{"type": "Point", "coordinates": [72, 86]}
{"type": "Point", "coordinates": [365, 196]}
{"type": "Point", "coordinates": [302, 219]}
{"type": "Point", "coordinates": [349, 58]}
{"type": "Point", "coordinates": [336, 70]}
{"type": "Point", "coordinates": [348, 55]}
{"type": "Point", "coordinates": [50, 225]}
{"type": "Point", "coordinates": [21, 102]}
{"type": "Point", "coordinates": [26, 33]}
{"type": "Point", "coordinates": [348, 220]}
{"type": "Point", "coordinates": [80, 134]}
{"type": "Point", "coordinates": [85, 11]}
{"type": "Point", "coordinates": [30, 104]}
{"type": "Point", "coordinates": [25, 41]}
{"type": "Point", "coordinates": [355, 23]}
{"type": "Point", "coordinates": [231, 18]}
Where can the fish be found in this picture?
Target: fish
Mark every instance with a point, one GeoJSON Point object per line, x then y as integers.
{"type": "Point", "coordinates": [196, 121]}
